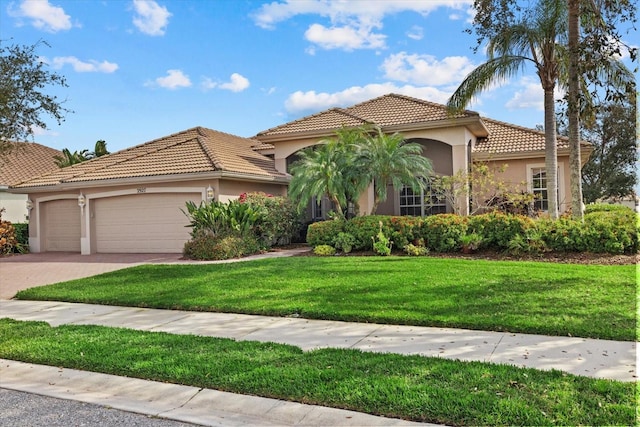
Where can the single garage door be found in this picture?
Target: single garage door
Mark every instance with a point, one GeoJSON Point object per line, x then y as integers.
{"type": "Point", "coordinates": [61, 225]}
{"type": "Point", "coordinates": [142, 223]}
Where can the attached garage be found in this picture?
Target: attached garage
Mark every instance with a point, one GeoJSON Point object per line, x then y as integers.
{"type": "Point", "coordinates": [61, 221]}
{"type": "Point", "coordinates": [142, 223]}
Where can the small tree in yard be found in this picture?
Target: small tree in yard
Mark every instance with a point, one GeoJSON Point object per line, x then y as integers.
{"type": "Point", "coordinates": [485, 190]}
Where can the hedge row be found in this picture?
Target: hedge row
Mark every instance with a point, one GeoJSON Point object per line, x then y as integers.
{"type": "Point", "coordinates": [604, 230]}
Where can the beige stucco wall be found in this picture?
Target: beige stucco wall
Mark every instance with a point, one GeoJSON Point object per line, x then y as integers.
{"type": "Point", "coordinates": [224, 190]}
{"type": "Point", "coordinates": [15, 206]}
{"type": "Point", "coordinates": [516, 174]}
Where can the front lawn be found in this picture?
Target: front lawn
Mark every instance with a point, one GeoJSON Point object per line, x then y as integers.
{"type": "Point", "coordinates": [410, 387]}
{"type": "Point", "coordinates": [592, 301]}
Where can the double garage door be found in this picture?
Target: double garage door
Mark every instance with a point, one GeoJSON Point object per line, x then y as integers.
{"type": "Point", "coordinates": [139, 223]}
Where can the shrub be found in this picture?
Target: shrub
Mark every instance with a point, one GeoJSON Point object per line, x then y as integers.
{"type": "Point", "coordinates": [344, 242]}
{"type": "Point", "coordinates": [365, 228]}
{"type": "Point", "coordinates": [8, 242]}
{"type": "Point", "coordinates": [324, 250]}
{"type": "Point", "coordinates": [498, 228]}
{"type": "Point", "coordinates": [563, 235]}
{"type": "Point", "coordinates": [611, 231]}
{"type": "Point", "coordinates": [22, 233]}
{"type": "Point", "coordinates": [381, 243]}
{"type": "Point", "coordinates": [413, 250]}
{"type": "Point", "coordinates": [405, 230]}
{"type": "Point", "coordinates": [323, 232]}
{"type": "Point", "coordinates": [280, 222]}
{"type": "Point", "coordinates": [441, 233]}
{"type": "Point", "coordinates": [606, 207]}
{"type": "Point", "coordinates": [206, 246]}
{"type": "Point", "coordinates": [220, 218]}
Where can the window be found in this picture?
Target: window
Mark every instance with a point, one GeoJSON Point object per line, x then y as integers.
{"type": "Point", "coordinates": [539, 189]}
{"type": "Point", "coordinates": [429, 202]}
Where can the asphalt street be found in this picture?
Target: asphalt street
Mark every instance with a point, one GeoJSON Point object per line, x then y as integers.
{"type": "Point", "coordinates": [18, 409]}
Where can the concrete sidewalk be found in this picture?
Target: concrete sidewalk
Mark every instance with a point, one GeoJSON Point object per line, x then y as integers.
{"type": "Point", "coordinates": [579, 356]}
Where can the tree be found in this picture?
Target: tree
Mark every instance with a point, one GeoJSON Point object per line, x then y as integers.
{"type": "Point", "coordinates": [68, 158]}
{"type": "Point", "coordinates": [594, 61]}
{"type": "Point", "coordinates": [328, 170]}
{"type": "Point", "coordinates": [23, 101]}
{"type": "Point", "coordinates": [611, 169]}
{"type": "Point", "coordinates": [389, 159]}
{"type": "Point", "coordinates": [517, 37]}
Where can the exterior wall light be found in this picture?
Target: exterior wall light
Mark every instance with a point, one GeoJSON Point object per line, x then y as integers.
{"type": "Point", "coordinates": [82, 200]}
{"type": "Point", "coordinates": [210, 194]}
{"type": "Point", "coordinates": [29, 204]}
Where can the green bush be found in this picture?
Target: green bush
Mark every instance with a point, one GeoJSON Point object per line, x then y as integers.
{"type": "Point", "coordinates": [323, 232]}
{"type": "Point", "coordinates": [22, 233]}
{"type": "Point", "coordinates": [406, 230]}
{"type": "Point", "coordinates": [365, 228]}
{"type": "Point", "coordinates": [563, 235]}
{"type": "Point", "coordinates": [344, 242]}
{"type": "Point", "coordinates": [499, 228]}
{"type": "Point", "coordinates": [220, 218]}
{"type": "Point", "coordinates": [206, 246]}
{"type": "Point", "coordinates": [280, 221]}
{"type": "Point", "coordinates": [324, 250]}
{"type": "Point", "coordinates": [612, 231]}
{"type": "Point", "coordinates": [413, 250]}
{"type": "Point", "coordinates": [8, 241]}
{"type": "Point", "coordinates": [441, 233]}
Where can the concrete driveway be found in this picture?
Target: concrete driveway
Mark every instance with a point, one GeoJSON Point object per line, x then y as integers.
{"type": "Point", "coordinates": [19, 272]}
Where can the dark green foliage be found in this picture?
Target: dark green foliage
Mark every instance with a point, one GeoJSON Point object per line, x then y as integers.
{"type": "Point", "coordinates": [323, 232]}
{"type": "Point", "coordinates": [365, 228]}
{"type": "Point", "coordinates": [279, 222]}
{"type": "Point", "coordinates": [441, 233]}
{"type": "Point", "coordinates": [206, 246]}
{"type": "Point", "coordinates": [498, 228]}
{"type": "Point", "coordinates": [22, 233]}
{"type": "Point", "coordinates": [405, 231]}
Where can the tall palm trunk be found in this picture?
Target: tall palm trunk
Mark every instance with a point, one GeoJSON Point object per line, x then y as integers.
{"type": "Point", "coordinates": [551, 149]}
{"type": "Point", "coordinates": [574, 110]}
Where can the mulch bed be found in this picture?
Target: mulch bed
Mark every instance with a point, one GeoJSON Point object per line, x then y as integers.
{"type": "Point", "coordinates": [567, 258]}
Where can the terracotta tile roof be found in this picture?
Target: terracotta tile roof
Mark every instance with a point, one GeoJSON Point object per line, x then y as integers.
{"type": "Point", "coordinates": [196, 150]}
{"type": "Point", "coordinates": [27, 160]}
{"type": "Point", "coordinates": [507, 138]}
{"type": "Point", "coordinates": [387, 110]}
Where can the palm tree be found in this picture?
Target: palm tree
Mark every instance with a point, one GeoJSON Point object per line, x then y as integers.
{"type": "Point", "coordinates": [319, 171]}
{"type": "Point", "coordinates": [390, 159]}
{"type": "Point", "coordinates": [99, 150]}
{"type": "Point", "coordinates": [573, 108]}
{"type": "Point", "coordinates": [537, 39]}
{"type": "Point", "coordinates": [68, 158]}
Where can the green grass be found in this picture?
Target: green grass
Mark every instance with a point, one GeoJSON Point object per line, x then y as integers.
{"type": "Point", "coordinates": [592, 301]}
{"type": "Point", "coordinates": [410, 387]}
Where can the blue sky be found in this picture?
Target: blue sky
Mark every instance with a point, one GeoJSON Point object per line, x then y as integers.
{"type": "Point", "coordinates": [139, 70]}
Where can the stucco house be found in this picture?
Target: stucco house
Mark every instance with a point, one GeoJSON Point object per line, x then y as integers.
{"type": "Point", "coordinates": [452, 143]}
{"type": "Point", "coordinates": [25, 160]}
{"type": "Point", "coordinates": [132, 200]}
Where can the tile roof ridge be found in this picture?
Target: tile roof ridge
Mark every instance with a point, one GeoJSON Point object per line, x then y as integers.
{"type": "Point", "coordinates": [318, 114]}
{"type": "Point", "coordinates": [348, 113]}
{"type": "Point", "coordinates": [105, 159]}
{"type": "Point", "coordinates": [431, 103]}
{"type": "Point", "coordinates": [202, 139]}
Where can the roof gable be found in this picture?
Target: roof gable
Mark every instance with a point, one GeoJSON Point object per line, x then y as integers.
{"type": "Point", "coordinates": [26, 160]}
{"type": "Point", "coordinates": [193, 151]}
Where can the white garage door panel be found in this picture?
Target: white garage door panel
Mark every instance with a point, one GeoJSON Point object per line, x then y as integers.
{"type": "Point", "coordinates": [144, 223]}
{"type": "Point", "coordinates": [62, 225]}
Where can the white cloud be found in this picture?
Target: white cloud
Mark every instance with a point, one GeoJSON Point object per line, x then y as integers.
{"type": "Point", "coordinates": [150, 18]}
{"type": "Point", "coordinates": [530, 96]}
{"type": "Point", "coordinates": [416, 33]}
{"type": "Point", "coordinates": [43, 15]}
{"type": "Point", "coordinates": [90, 66]}
{"type": "Point", "coordinates": [346, 37]}
{"type": "Point", "coordinates": [426, 69]}
{"type": "Point", "coordinates": [352, 24]}
{"type": "Point", "coordinates": [310, 101]}
{"type": "Point", "coordinates": [238, 83]}
{"type": "Point", "coordinates": [173, 80]}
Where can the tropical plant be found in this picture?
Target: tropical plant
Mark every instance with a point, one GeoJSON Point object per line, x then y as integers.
{"type": "Point", "coordinates": [381, 243]}
{"type": "Point", "coordinates": [69, 158]}
{"type": "Point", "coordinates": [219, 218]}
{"type": "Point", "coordinates": [99, 150]}
{"type": "Point", "coordinates": [390, 159]}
